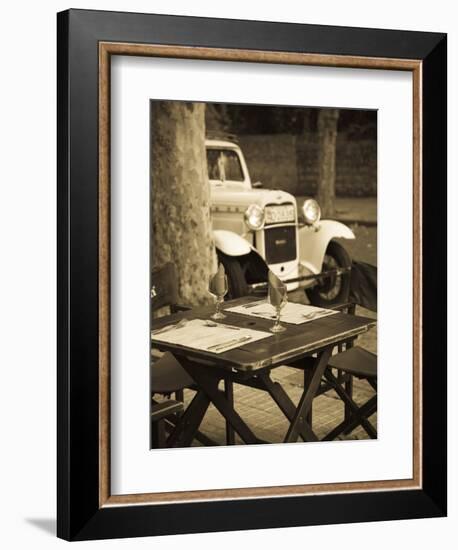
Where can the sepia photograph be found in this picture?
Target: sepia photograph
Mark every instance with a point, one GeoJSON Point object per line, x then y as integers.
{"type": "Point", "coordinates": [263, 261]}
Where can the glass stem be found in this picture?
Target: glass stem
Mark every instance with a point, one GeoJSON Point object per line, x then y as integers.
{"type": "Point", "coordinates": [277, 320]}
{"type": "Point", "coordinates": [218, 304]}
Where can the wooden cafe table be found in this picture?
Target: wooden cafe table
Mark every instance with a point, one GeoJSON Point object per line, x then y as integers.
{"type": "Point", "coordinates": [307, 346]}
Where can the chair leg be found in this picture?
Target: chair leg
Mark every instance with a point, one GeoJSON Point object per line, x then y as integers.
{"type": "Point", "coordinates": [171, 423]}
{"type": "Point", "coordinates": [158, 436]}
{"type": "Point", "coordinates": [358, 415]}
{"type": "Point", "coordinates": [179, 395]}
{"type": "Point", "coordinates": [347, 426]}
{"type": "Point", "coordinates": [349, 392]}
{"type": "Point", "coordinates": [229, 393]}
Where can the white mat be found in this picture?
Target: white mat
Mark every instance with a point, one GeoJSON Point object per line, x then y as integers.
{"type": "Point", "coordinates": [207, 335]}
{"type": "Point", "coordinates": [292, 312]}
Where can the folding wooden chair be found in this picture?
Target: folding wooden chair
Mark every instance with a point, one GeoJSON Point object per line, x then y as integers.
{"type": "Point", "coordinates": [160, 412]}
{"type": "Point", "coordinates": [363, 292]}
{"type": "Point", "coordinates": [349, 363]}
{"type": "Point", "coordinates": [167, 376]}
{"type": "Point", "coordinates": [360, 363]}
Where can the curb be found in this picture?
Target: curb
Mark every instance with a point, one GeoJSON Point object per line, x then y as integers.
{"type": "Point", "coordinates": [367, 223]}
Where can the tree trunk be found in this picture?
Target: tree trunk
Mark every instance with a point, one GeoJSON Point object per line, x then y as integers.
{"type": "Point", "coordinates": [180, 197]}
{"type": "Point", "coordinates": [327, 136]}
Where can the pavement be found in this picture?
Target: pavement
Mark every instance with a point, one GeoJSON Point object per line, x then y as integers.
{"type": "Point", "coordinates": [362, 211]}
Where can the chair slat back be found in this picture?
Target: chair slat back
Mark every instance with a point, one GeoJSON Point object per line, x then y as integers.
{"type": "Point", "coordinates": [164, 289]}
{"type": "Point", "coordinates": [363, 285]}
{"type": "Point", "coordinates": [347, 307]}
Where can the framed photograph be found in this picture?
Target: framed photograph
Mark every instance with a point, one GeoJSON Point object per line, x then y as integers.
{"type": "Point", "coordinates": [229, 354]}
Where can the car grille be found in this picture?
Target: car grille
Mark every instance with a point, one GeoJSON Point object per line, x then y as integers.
{"type": "Point", "coordinates": [280, 244]}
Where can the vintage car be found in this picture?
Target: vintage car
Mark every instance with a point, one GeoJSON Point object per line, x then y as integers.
{"type": "Point", "coordinates": [258, 229]}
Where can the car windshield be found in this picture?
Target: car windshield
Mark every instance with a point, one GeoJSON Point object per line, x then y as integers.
{"type": "Point", "coordinates": [224, 164]}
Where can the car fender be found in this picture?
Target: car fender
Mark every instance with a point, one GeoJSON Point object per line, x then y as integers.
{"type": "Point", "coordinates": [313, 242]}
{"type": "Point", "coordinates": [231, 243]}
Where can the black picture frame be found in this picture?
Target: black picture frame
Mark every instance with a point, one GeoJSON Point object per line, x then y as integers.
{"type": "Point", "coordinates": [80, 516]}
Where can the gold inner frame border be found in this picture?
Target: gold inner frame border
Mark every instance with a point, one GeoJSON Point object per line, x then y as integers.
{"type": "Point", "coordinates": [106, 50]}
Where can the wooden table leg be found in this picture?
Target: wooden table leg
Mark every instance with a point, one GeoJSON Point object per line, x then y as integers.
{"type": "Point", "coordinates": [284, 403]}
{"type": "Point", "coordinates": [308, 373]}
{"type": "Point", "coordinates": [305, 403]}
{"type": "Point", "coordinates": [208, 383]}
{"type": "Point", "coordinates": [229, 394]}
{"type": "Point", "coordinates": [186, 427]}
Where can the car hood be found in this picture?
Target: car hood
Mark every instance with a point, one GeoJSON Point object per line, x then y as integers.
{"type": "Point", "coordinates": [235, 196]}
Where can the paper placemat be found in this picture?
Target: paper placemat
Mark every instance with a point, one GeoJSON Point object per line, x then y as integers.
{"type": "Point", "coordinates": [293, 313]}
{"type": "Point", "coordinates": [207, 335]}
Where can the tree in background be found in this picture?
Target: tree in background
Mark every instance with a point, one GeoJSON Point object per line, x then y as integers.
{"type": "Point", "coordinates": [217, 119]}
{"type": "Point", "coordinates": [180, 197]}
{"type": "Point", "coordinates": [327, 137]}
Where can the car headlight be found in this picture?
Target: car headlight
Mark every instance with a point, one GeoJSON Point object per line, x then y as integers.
{"type": "Point", "coordinates": [254, 217]}
{"type": "Point", "coordinates": [311, 211]}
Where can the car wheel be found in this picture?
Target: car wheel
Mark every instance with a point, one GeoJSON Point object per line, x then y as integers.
{"type": "Point", "coordinates": [236, 278]}
{"type": "Point", "coordinates": [335, 289]}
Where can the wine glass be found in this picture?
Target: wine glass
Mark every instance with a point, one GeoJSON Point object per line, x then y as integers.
{"type": "Point", "coordinates": [219, 290]}
{"type": "Point", "coordinates": [278, 297]}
